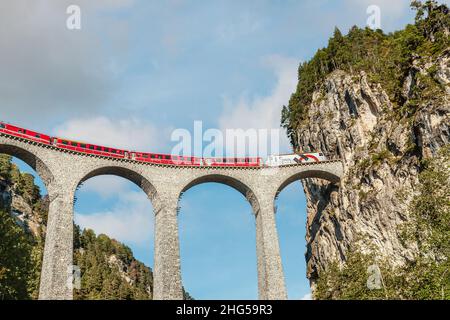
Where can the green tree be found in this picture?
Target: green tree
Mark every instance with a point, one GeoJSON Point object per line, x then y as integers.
{"type": "Point", "coordinates": [15, 265]}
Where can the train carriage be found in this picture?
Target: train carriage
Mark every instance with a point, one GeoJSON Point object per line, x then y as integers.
{"type": "Point", "coordinates": [90, 148]}
{"type": "Point", "coordinates": [290, 159]}
{"type": "Point", "coordinates": [232, 162]}
{"type": "Point", "coordinates": [24, 133]}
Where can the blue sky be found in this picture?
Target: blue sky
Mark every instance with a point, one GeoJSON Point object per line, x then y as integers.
{"type": "Point", "coordinates": [139, 69]}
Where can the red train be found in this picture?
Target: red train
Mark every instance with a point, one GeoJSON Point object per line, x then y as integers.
{"type": "Point", "coordinates": [156, 158]}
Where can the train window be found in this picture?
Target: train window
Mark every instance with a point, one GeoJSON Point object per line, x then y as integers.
{"type": "Point", "coordinates": [167, 157]}
{"type": "Point", "coordinates": [65, 142]}
{"type": "Point", "coordinates": [247, 160]}
{"type": "Point", "coordinates": [20, 131]}
{"type": "Point", "coordinates": [2, 126]}
{"type": "Point", "coordinates": [145, 156]}
{"type": "Point", "coordinates": [82, 145]}
{"type": "Point", "coordinates": [37, 135]}
{"type": "Point", "coordinates": [92, 147]}
{"type": "Point", "coordinates": [74, 144]}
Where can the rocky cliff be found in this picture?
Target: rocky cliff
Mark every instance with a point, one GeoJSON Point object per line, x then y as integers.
{"type": "Point", "coordinates": [353, 120]}
{"type": "Point", "coordinates": [382, 129]}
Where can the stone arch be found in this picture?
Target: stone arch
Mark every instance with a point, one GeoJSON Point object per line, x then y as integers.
{"type": "Point", "coordinates": [320, 174]}
{"type": "Point", "coordinates": [31, 159]}
{"type": "Point", "coordinates": [128, 174]}
{"type": "Point", "coordinates": [232, 182]}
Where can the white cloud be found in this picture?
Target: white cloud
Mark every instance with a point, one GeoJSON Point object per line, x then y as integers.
{"type": "Point", "coordinates": [48, 70]}
{"type": "Point", "coordinates": [131, 133]}
{"type": "Point", "coordinates": [106, 186]}
{"type": "Point", "coordinates": [264, 112]}
{"type": "Point", "coordinates": [130, 220]}
{"type": "Point", "coordinates": [307, 296]}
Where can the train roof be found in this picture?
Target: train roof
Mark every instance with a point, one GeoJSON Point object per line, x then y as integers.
{"type": "Point", "coordinates": [88, 143]}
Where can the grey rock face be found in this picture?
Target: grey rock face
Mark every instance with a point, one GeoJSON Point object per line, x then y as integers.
{"type": "Point", "coordinates": [5, 195]}
{"type": "Point", "coordinates": [354, 120]}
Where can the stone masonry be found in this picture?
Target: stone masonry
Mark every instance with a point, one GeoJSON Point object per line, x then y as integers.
{"type": "Point", "coordinates": [63, 172]}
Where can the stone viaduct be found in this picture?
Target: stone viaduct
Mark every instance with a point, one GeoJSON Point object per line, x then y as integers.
{"type": "Point", "coordinates": [63, 172]}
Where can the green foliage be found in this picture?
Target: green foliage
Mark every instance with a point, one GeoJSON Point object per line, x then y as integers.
{"type": "Point", "coordinates": [427, 275]}
{"type": "Point", "coordinates": [386, 58]}
{"type": "Point", "coordinates": [20, 251]}
{"type": "Point", "coordinates": [15, 265]}
{"type": "Point", "coordinates": [431, 208]}
{"type": "Point", "coordinates": [348, 282]}
{"type": "Point", "coordinates": [380, 157]}
{"type": "Point", "coordinates": [5, 166]}
{"type": "Point", "coordinates": [105, 264]}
